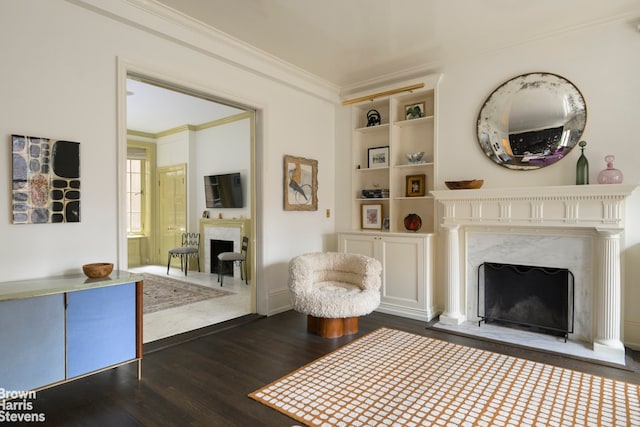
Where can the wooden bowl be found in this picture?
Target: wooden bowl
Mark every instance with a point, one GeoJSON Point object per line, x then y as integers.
{"type": "Point", "coordinates": [464, 185]}
{"type": "Point", "coordinates": [98, 269]}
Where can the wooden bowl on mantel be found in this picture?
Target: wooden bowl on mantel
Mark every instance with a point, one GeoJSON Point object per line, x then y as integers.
{"type": "Point", "coordinates": [473, 184]}
{"type": "Point", "coordinates": [97, 270]}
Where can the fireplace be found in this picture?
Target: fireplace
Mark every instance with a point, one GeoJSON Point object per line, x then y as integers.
{"type": "Point", "coordinates": [527, 297]}
{"type": "Point", "coordinates": [579, 227]}
{"type": "Point", "coordinates": [217, 247]}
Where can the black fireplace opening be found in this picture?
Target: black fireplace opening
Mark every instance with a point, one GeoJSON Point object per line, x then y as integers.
{"type": "Point", "coordinates": [527, 297]}
{"type": "Point", "coordinates": [216, 248]}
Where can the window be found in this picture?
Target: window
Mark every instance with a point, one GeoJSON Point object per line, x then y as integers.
{"type": "Point", "coordinates": [136, 186]}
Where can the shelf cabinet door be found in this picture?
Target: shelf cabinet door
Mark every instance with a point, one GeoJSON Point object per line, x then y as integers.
{"type": "Point", "coordinates": [407, 270]}
{"type": "Point", "coordinates": [32, 337]}
{"type": "Point", "coordinates": [101, 328]}
{"type": "Point", "coordinates": [404, 271]}
{"type": "Point", "coordinates": [359, 244]}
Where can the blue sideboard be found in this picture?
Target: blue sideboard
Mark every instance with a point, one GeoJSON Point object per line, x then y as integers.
{"type": "Point", "coordinates": [61, 328]}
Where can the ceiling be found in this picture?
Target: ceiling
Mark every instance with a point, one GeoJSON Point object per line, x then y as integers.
{"type": "Point", "coordinates": [349, 42]}
{"type": "Point", "coordinates": [153, 109]}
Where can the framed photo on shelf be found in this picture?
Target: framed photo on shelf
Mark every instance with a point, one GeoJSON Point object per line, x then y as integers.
{"type": "Point", "coordinates": [372, 217]}
{"type": "Point", "coordinates": [416, 185]}
{"type": "Point", "coordinates": [414, 111]}
{"type": "Point", "coordinates": [378, 157]}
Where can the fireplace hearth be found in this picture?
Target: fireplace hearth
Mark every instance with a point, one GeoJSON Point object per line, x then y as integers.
{"type": "Point", "coordinates": [218, 247]}
{"type": "Point", "coordinates": [533, 298]}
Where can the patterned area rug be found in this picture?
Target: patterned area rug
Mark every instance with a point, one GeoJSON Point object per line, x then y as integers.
{"type": "Point", "coordinates": [395, 378]}
{"type": "Point", "coordinates": [161, 293]}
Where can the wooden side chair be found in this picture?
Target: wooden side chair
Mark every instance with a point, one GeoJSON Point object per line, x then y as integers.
{"type": "Point", "coordinates": [240, 257]}
{"type": "Point", "coordinates": [190, 248]}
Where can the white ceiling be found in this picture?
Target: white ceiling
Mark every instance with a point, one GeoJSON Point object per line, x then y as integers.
{"type": "Point", "coordinates": [153, 109]}
{"type": "Point", "coordinates": [348, 42]}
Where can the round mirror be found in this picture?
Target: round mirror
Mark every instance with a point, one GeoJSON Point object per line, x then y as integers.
{"type": "Point", "coordinates": [531, 121]}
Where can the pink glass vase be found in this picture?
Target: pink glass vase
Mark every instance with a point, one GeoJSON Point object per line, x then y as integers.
{"type": "Point", "coordinates": [610, 175]}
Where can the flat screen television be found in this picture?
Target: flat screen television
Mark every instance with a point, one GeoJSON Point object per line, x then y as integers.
{"type": "Point", "coordinates": [223, 191]}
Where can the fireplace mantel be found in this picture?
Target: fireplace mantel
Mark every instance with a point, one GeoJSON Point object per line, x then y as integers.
{"type": "Point", "coordinates": [592, 206]}
{"type": "Point", "coordinates": [588, 207]}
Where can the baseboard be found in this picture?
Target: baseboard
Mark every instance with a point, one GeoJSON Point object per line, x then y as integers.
{"type": "Point", "coordinates": [410, 313]}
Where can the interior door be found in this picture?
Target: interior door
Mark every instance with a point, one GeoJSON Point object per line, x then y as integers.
{"type": "Point", "coordinates": [172, 208]}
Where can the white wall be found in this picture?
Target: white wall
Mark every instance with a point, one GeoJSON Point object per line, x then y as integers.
{"type": "Point", "coordinates": [224, 149]}
{"type": "Point", "coordinates": [60, 80]}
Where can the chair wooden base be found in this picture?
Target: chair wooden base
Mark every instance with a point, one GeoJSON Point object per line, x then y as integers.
{"type": "Point", "coordinates": [332, 328]}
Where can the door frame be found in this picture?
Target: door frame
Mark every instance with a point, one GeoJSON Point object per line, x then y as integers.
{"type": "Point", "coordinates": [125, 68]}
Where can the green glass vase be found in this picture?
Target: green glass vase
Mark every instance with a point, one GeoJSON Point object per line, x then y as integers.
{"type": "Point", "coordinates": [582, 167]}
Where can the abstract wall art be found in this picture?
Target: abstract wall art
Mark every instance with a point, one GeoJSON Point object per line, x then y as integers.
{"type": "Point", "coordinates": [46, 180]}
{"type": "Point", "coordinates": [300, 184]}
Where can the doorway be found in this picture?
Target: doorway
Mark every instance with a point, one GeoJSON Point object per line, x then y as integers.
{"type": "Point", "coordinates": [172, 203]}
{"type": "Point", "coordinates": [181, 172]}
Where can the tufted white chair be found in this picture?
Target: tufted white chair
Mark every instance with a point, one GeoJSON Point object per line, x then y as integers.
{"type": "Point", "coordinates": [334, 289]}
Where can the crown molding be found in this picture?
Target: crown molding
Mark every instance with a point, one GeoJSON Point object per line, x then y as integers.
{"type": "Point", "coordinates": [481, 47]}
{"type": "Point", "coordinates": [162, 21]}
{"type": "Point", "coordinates": [187, 127]}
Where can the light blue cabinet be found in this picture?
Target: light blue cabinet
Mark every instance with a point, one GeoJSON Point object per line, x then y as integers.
{"type": "Point", "coordinates": [101, 328]}
{"type": "Point", "coordinates": [53, 330]}
{"type": "Point", "coordinates": [33, 347]}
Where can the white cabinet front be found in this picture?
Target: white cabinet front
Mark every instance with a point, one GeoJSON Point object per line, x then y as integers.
{"type": "Point", "coordinates": [407, 285]}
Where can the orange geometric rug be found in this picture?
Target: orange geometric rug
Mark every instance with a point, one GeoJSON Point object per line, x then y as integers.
{"type": "Point", "coordinates": [394, 378]}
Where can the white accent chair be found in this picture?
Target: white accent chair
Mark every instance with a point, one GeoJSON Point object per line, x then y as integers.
{"type": "Point", "coordinates": [334, 289]}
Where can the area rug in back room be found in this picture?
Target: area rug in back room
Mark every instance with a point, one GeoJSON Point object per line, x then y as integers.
{"type": "Point", "coordinates": [161, 293]}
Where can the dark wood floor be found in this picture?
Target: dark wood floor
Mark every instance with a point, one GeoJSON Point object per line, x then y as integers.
{"type": "Point", "coordinates": [203, 378]}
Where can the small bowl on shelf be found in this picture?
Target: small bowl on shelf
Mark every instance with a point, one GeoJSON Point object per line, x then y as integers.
{"type": "Point", "coordinates": [415, 157]}
{"type": "Point", "coordinates": [97, 270]}
{"type": "Point", "coordinates": [472, 184]}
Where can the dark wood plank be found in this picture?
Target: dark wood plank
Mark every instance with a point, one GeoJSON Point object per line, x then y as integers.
{"type": "Point", "coordinates": [203, 377]}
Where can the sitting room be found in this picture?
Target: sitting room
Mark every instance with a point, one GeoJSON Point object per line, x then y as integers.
{"type": "Point", "coordinates": [465, 151]}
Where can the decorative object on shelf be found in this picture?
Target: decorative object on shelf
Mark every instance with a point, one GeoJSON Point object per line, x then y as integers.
{"type": "Point", "coordinates": [416, 185]}
{"type": "Point", "coordinates": [412, 222]}
{"type": "Point", "coordinates": [472, 184]}
{"type": "Point", "coordinates": [378, 157]}
{"type": "Point", "coordinates": [375, 193]}
{"type": "Point", "coordinates": [372, 217]}
{"type": "Point", "coordinates": [385, 224]}
{"type": "Point", "coordinates": [97, 270]}
{"type": "Point", "coordinates": [46, 180]}
{"type": "Point", "coordinates": [414, 111]}
{"type": "Point", "coordinates": [610, 175]}
{"type": "Point", "coordinates": [531, 121]}
{"type": "Point", "coordinates": [582, 166]}
{"type": "Point", "coordinates": [205, 214]}
{"type": "Point", "coordinates": [300, 184]}
{"type": "Point", "coordinates": [373, 118]}
{"type": "Point", "coordinates": [415, 158]}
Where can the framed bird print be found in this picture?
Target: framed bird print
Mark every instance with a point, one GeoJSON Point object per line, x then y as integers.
{"type": "Point", "coordinates": [300, 184]}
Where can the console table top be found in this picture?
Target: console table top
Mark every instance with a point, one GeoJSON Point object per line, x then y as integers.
{"type": "Point", "coordinates": [60, 284]}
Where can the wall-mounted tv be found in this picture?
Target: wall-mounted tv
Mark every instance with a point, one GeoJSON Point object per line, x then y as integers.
{"type": "Point", "coordinates": [223, 191]}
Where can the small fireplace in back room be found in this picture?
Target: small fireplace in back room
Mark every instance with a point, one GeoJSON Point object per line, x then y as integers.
{"type": "Point", "coordinates": [217, 247]}
{"type": "Point", "coordinates": [539, 299]}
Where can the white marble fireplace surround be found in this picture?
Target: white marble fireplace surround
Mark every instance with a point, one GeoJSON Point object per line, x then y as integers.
{"type": "Point", "coordinates": [574, 227]}
{"type": "Point", "coordinates": [221, 229]}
